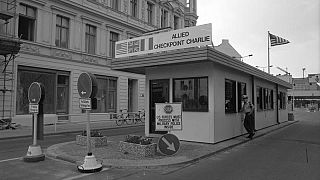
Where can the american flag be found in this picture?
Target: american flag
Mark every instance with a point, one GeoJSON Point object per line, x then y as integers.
{"type": "Point", "coordinates": [122, 48]}
{"type": "Point", "coordinates": [276, 40]}
{"type": "Point", "coordinates": [133, 46]}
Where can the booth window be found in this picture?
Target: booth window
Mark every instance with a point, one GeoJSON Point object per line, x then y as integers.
{"type": "Point", "coordinates": [242, 90]}
{"type": "Point", "coordinates": [230, 96]}
{"type": "Point", "coordinates": [259, 91]}
{"type": "Point", "coordinates": [106, 95]}
{"type": "Point", "coordinates": [192, 92]}
{"type": "Point", "coordinates": [282, 98]}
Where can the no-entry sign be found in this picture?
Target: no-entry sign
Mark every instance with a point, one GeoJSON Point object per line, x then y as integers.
{"type": "Point", "coordinates": [87, 85]}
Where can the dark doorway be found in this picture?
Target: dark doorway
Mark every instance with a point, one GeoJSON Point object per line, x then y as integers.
{"type": "Point", "coordinates": [159, 93]}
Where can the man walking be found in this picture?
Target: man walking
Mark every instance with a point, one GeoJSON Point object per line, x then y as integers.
{"type": "Point", "coordinates": [248, 111]}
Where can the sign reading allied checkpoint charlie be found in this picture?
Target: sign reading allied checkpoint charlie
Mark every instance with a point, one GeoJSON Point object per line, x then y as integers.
{"type": "Point", "coordinates": [177, 39]}
{"type": "Point", "coordinates": [168, 116]}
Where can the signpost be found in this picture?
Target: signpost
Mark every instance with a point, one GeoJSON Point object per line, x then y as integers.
{"type": "Point", "coordinates": [87, 89]}
{"type": "Point", "coordinates": [36, 97]}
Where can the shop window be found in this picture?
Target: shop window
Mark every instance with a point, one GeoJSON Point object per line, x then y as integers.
{"type": "Point", "coordinates": [27, 20]}
{"type": "Point", "coordinates": [114, 37]}
{"type": "Point", "coordinates": [230, 96]}
{"type": "Point", "coordinates": [56, 85]}
{"type": "Point", "coordinates": [106, 95]}
{"type": "Point", "coordinates": [91, 37]}
{"type": "Point", "coordinates": [192, 92]}
{"type": "Point", "coordinates": [62, 32]}
{"type": "Point", "coordinates": [242, 90]}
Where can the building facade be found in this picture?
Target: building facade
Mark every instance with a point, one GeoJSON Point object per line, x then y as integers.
{"type": "Point", "coordinates": [62, 39]}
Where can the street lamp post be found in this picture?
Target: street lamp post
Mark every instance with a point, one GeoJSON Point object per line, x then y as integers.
{"type": "Point", "coordinates": [241, 57]}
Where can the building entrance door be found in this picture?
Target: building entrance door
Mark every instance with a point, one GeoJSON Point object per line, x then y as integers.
{"type": "Point", "coordinates": [159, 93]}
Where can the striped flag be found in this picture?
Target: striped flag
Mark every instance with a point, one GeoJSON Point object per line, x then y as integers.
{"type": "Point", "coordinates": [276, 40]}
{"type": "Point", "coordinates": [122, 48]}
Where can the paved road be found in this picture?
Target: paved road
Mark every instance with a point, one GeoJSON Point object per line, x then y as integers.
{"type": "Point", "coordinates": [12, 151]}
{"type": "Point", "coordinates": [291, 153]}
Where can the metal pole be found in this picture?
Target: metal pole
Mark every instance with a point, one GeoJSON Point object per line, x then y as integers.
{"type": "Point", "coordinates": [88, 133]}
{"type": "Point", "coordinates": [35, 128]}
{"type": "Point", "coordinates": [268, 54]}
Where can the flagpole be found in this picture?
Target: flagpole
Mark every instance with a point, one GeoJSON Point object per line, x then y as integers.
{"type": "Point", "coordinates": [268, 53]}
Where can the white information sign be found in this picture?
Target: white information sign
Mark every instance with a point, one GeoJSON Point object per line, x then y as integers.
{"type": "Point", "coordinates": [85, 103]}
{"type": "Point", "coordinates": [177, 39]}
{"type": "Point", "coordinates": [33, 108]}
{"type": "Point", "coordinates": [168, 116]}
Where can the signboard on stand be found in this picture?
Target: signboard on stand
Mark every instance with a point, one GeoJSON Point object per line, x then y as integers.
{"type": "Point", "coordinates": [168, 117]}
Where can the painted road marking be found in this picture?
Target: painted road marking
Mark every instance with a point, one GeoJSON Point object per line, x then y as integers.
{"type": "Point", "coordinates": [12, 159]}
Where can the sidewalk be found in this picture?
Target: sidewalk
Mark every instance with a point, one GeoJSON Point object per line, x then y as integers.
{"type": "Point", "coordinates": [26, 131]}
{"type": "Point", "coordinates": [189, 151]}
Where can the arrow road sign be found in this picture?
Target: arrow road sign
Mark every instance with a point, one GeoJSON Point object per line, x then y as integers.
{"type": "Point", "coordinates": [169, 144]}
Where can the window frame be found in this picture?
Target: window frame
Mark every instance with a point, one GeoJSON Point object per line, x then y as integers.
{"type": "Point", "coordinates": [134, 8]}
{"type": "Point", "coordinates": [60, 27]}
{"type": "Point", "coordinates": [164, 18]}
{"type": "Point", "coordinates": [196, 92]}
{"type": "Point", "coordinates": [150, 12]}
{"type": "Point", "coordinates": [240, 93]}
{"type": "Point", "coordinates": [112, 43]}
{"type": "Point", "coordinates": [90, 39]}
{"type": "Point", "coordinates": [31, 21]}
{"type": "Point", "coordinates": [233, 99]}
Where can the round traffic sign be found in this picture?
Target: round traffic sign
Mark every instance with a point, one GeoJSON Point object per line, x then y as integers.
{"type": "Point", "coordinates": [87, 85]}
{"type": "Point", "coordinates": [169, 144]}
{"type": "Point", "coordinates": [34, 93]}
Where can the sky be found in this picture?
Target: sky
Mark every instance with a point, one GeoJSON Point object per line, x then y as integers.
{"type": "Point", "coordinates": [245, 23]}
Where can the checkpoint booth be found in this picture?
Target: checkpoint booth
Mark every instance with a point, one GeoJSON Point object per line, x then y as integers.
{"type": "Point", "coordinates": [209, 85]}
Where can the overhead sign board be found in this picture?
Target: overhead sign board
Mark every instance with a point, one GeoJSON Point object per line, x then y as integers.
{"type": "Point", "coordinates": [168, 116]}
{"type": "Point", "coordinates": [177, 39]}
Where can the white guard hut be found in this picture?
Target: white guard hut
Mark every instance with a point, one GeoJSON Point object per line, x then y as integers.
{"type": "Point", "coordinates": [209, 84]}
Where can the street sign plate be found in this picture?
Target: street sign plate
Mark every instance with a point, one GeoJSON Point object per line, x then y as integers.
{"type": "Point", "coordinates": [33, 108]}
{"type": "Point", "coordinates": [169, 144]}
{"type": "Point", "coordinates": [85, 103]}
{"type": "Point", "coordinates": [34, 93]}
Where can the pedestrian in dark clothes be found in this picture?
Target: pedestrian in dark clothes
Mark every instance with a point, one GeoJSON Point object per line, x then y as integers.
{"type": "Point", "coordinates": [248, 110]}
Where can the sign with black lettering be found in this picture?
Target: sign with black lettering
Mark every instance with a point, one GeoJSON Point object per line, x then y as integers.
{"type": "Point", "coordinates": [33, 108]}
{"type": "Point", "coordinates": [168, 116]}
{"type": "Point", "coordinates": [85, 103]}
{"type": "Point", "coordinates": [177, 39]}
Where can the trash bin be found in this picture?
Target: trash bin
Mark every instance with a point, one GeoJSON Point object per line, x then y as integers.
{"type": "Point", "coordinates": [290, 117]}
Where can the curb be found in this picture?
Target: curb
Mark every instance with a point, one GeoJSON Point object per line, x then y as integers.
{"type": "Point", "coordinates": [192, 161]}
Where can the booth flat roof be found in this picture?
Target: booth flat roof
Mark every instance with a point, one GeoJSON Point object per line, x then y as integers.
{"type": "Point", "coordinates": [138, 64]}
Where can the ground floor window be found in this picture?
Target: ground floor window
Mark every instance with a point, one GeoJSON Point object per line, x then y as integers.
{"type": "Point", "coordinates": [282, 99]}
{"type": "Point", "coordinates": [192, 92]}
{"type": "Point", "coordinates": [107, 94]}
{"type": "Point", "coordinates": [56, 85]}
{"type": "Point", "coordinates": [242, 90]}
